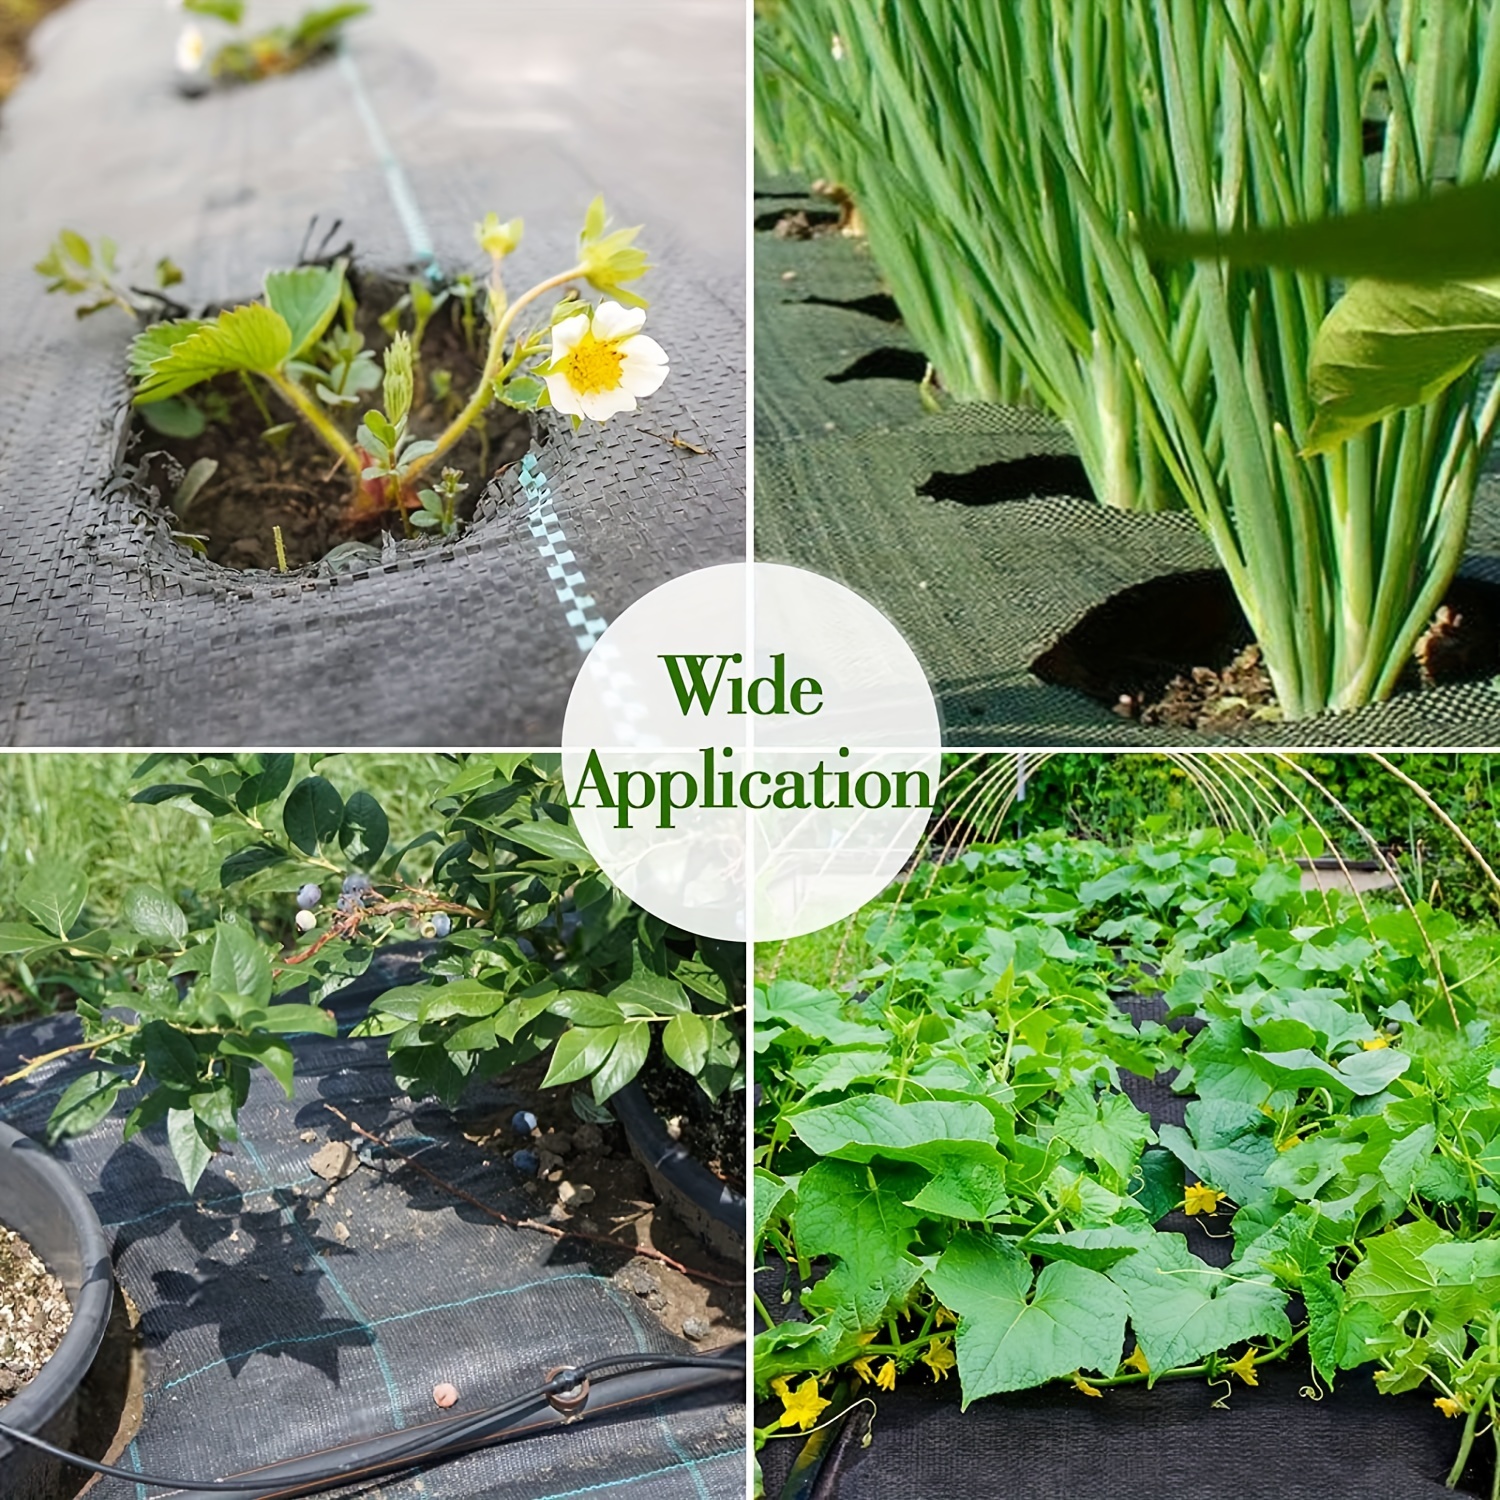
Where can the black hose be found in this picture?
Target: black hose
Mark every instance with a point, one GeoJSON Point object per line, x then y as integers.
{"type": "Point", "coordinates": [648, 1378]}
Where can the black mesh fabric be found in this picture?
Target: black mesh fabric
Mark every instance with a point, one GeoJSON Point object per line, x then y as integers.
{"type": "Point", "coordinates": [270, 1332]}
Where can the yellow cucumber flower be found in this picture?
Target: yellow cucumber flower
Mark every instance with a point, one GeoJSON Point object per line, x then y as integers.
{"type": "Point", "coordinates": [861, 1367]}
{"type": "Point", "coordinates": [1080, 1384]}
{"type": "Point", "coordinates": [939, 1358]}
{"type": "Point", "coordinates": [801, 1407]}
{"type": "Point", "coordinates": [886, 1377]}
{"type": "Point", "coordinates": [1138, 1361]}
{"type": "Point", "coordinates": [1375, 1043]}
{"type": "Point", "coordinates": [1201, 1199]}
{"type": "Point", "coordinates": [1448, 1406]}
{"type": "Point", "coordinates": [1244, 1367]}
{"type": "Point", "coordinates": [601, 362]}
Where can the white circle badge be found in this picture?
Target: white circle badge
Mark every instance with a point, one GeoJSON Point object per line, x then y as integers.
{"type": "Point", "coordinates": [751, 751]}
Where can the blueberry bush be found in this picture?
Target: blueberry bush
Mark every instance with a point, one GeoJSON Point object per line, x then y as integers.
{"type": "Point", "coordinates": [534, 952]}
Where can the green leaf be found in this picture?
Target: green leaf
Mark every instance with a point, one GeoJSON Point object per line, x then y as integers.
{"type": "Point", "coordinates": [1182, 1308]}
{"type": "Point", "coordinates": [276, 1057]}
{"type": "Point", "coordinates": [271, 779]}
{"type": "Point", "coordinates": [555, 840]}
{"type": "Point", "coordinates": [54, 894]}
{"type": "Point", "coordinates": [1387, 346]}
{"type": "Point", "coordinates": [522, 392]}
{"type": "Point", "coordinates": [1454, 235]}
{"type": "Point", "coordinates": [84, 1103]}
{"type": "Point", "coordinates": [176, 417]}
{"type": "Point", "coordinates": [21, 937]}
{"type": "Point", "coordinates": [313, 815]}
{"type": "Point", "coordinates": [626, 1058]}
{"type": "Point", "coordinates": [155, 915]}
{"type": "Point", "coordinates": [1011, 1335]}
{"type": "Point", "coordinates": [171, 1057]}
{"type": "Point", "coordinates": [287, 1019]}
{"type": "Point", "coordinates": [579, 1052]}
{"type": "Point", "coordinates": [230, 11]}
{"type": "Point", "coordinates": [930, 1132]}
{"type": "Point", "coordinates": [685, 1040]}
{"type": "Point", "coordinates": [306, 300]}
{"type": "Point", "coordinates": [1338, 1329]}
{"type": "Point", "coordinates": [1109, 1130]}
{"type": "Point", "coordinates": [156, 342]}
{"type": "Point", "coordinates": [365, 831]}
{"type": "Point", "coordinates": [191, 1149]}
{"type": "Point", "coordinates": [251, 338]}
{"type": "Point", "coordinates": [239, 965]}
{"type": "Point", "coordinates": [1363, 1073]}
{"type": "Point", "coordinates": [250, 860]}
{"type": "Point", "coordinates": [647, 994]}
{"type": "Point", "coordinates": [964, 1190]}
{"type": "Point", "coordinates": [770, 1192]}
{"type": "Point", "coordinates": [840, 1212]}
{"type": "Point", "coordinates": [1228, 1145]}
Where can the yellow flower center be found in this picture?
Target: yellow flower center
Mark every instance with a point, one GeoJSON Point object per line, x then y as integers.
{"type": "Point", "coordinates": [592, 365]}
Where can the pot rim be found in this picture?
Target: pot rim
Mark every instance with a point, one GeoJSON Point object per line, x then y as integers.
{"type": "Point", "coordinates": [54, 1385]}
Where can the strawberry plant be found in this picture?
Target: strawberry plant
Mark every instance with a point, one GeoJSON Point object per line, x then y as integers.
{"type": "Point", "coordinates": [535, 953]}
{"type": "Point", "coordinates": [956, 1180]}
{"type": "Point", "coordinates": [385, 418]}
{"type": "Point", "coordinates": [262, 54]}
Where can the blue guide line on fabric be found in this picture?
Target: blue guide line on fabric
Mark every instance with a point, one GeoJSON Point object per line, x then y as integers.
{"type": "Point", "coordinates": [396, 181]}
{"type": "Point", "coordinates": [581, 612]}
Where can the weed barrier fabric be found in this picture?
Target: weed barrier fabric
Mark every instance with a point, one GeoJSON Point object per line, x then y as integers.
{"type": "Point", "coordinates": [1181, 1440]}
{"type": "Point", "coordinates": [844, 452]}
{"type": "Point", "coordinates": [113, 633]}
{"type": "Point", "coordinates": [268, 1334]}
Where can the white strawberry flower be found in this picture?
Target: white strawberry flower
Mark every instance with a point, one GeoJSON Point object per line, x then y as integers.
{"type": "Point", "coordinates": [601, 362]}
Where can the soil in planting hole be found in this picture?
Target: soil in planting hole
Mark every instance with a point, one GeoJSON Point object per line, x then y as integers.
{"type": "Point", "coordinates": [1016, 479]}
{"type": "Point", "coordinates": [1177, 652]}
{"type": "Point", "coordinates": [296, 483]}
{"type": "Point", "coordinates": [35, 1313]}
{"type": "Point", "coordinates": [588, 1180]}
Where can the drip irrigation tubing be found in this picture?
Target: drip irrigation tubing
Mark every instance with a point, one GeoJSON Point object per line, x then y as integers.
{"type": "Point", "coordinates": [569, 1394]}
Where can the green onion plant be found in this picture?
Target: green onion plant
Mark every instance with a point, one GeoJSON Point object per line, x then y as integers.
{"type": "Point", "coordinates": [1004, 157]}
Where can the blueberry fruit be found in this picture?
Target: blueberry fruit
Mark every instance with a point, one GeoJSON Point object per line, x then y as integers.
{"type": "Point", "coordinates": [523, 1122]}
{"type": "Point", "coordinates": [309, 896]}
{"type": "Point", "coordinates": [442, 924]}
{"type": "Point", "coordinates": [306, 921]}
{"type": "Point", "coordinates": [356, 882]}
{"type": "Point", "coordinates": [527, 1162]}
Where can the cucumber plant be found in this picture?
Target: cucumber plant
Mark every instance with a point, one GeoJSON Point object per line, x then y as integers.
{"type": "Point", "coordinates": [953, 1177]}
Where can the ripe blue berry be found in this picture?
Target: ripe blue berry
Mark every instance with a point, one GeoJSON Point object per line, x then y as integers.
{"type": "Point", "coordinates": [523, 1122]}
{"type": "Point", "coordinates": [442, 924]}
{"type": "Point", "coordinates": [309, 896]}
{"type": "Point", "coordinates": [356, 884]}
{"type": "Point", "coordinates": [528, 1162]}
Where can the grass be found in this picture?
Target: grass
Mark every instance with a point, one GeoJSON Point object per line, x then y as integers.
{"type": "Point", "coordinates": [77, 808]}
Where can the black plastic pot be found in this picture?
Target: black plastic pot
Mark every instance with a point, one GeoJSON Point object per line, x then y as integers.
{"type": "Point", "coordinates": [712, 1209]}
{"type": "Point", "coordinates": [42, 1203]}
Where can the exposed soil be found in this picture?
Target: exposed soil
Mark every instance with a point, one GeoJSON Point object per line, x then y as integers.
{"type": "Point", "coordinates": [589, 1181]}
{"type": "Point", "coordinates": [712, 1130]}
{"type": "Point", "coordinates": [34, 1314]}
{"type": "Point", "coordinates": [295, 482]}
{"type": "Point", "coordinates": [18, 19]}
{"type": "Point", "coordinates": [1177, 652]}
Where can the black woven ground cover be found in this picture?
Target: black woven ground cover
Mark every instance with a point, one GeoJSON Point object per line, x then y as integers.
{"type": "Point", "coordinates": [856, 480]}
{"type": "Point", "coordinates": [278, 1318]}
{"type": "Point", "coordinates": [113, 633]}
